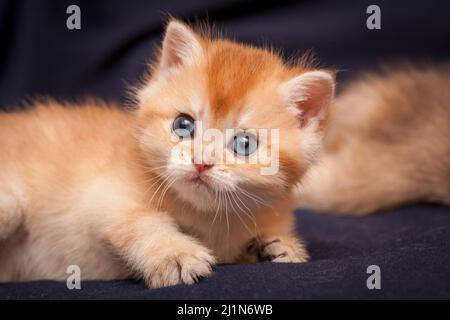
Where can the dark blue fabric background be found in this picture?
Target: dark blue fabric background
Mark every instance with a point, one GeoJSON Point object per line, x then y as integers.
{"type": "Point", "coordinates": [39, 56]}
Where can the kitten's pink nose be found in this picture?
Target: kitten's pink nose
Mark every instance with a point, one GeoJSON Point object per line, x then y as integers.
{"type": "Point", "coordinates": [202, 166]}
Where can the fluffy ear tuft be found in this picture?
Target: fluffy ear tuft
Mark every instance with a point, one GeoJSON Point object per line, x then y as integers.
{"type": "Point", "coordinates": [180, 45]}
{"type": "Point", "coordinates": [309, 94]}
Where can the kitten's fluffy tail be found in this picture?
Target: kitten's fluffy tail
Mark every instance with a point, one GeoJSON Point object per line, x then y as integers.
{"type": "Point", "coordinates": [387, 145]}
{"type": "Point", "coordinates": [328, 187]}
{"type": "Point", "coordinates": [332, 186]}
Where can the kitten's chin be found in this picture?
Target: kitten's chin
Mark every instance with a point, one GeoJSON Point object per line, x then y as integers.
{"type": "Point", "coordinates": [196, 192]}
{"type": "Point", "coordinates": [198, 182]}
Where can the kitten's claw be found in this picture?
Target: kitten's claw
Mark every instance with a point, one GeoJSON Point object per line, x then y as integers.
{"type": "Point", "coordinates": [282, 249]}
{"type": "Point", "coordinates": [185, 266]}
{"type": "Point", "coordinates": [263, 247]}
{"type": "Point", "coordinates": [252, 246]}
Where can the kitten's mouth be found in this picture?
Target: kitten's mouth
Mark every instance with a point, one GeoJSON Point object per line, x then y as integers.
{"type": "Point", "coordinates": [199, 182]}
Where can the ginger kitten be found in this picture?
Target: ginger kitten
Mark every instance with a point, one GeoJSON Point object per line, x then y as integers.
{"type": "Point", "coordinates": [387, 144]}
{"type": "Point", "coordinates": [122, 193]}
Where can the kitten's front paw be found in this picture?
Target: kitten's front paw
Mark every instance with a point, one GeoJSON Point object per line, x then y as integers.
{"type": "Point", "coordinates": [279, 249]}
{"type": "Point", "coordinates": [187, 264]}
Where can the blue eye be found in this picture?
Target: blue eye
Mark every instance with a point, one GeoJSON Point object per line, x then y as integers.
{"type": "Point", "coordinates": [244, 144]}
{"type": "Point", "coordinates": [183, 126]}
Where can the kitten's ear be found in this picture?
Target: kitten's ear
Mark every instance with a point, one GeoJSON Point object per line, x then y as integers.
{"type": "Point", "coordinates": [309, 94]}
{"type": "Point", "coordinates": [180, 45]}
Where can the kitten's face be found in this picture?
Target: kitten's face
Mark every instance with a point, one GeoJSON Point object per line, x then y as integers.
{"type": "Point", "coordinates": [220, 121]}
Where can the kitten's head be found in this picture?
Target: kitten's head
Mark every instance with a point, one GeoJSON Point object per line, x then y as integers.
{"type": "Point", "coordinates": [225, 124]}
